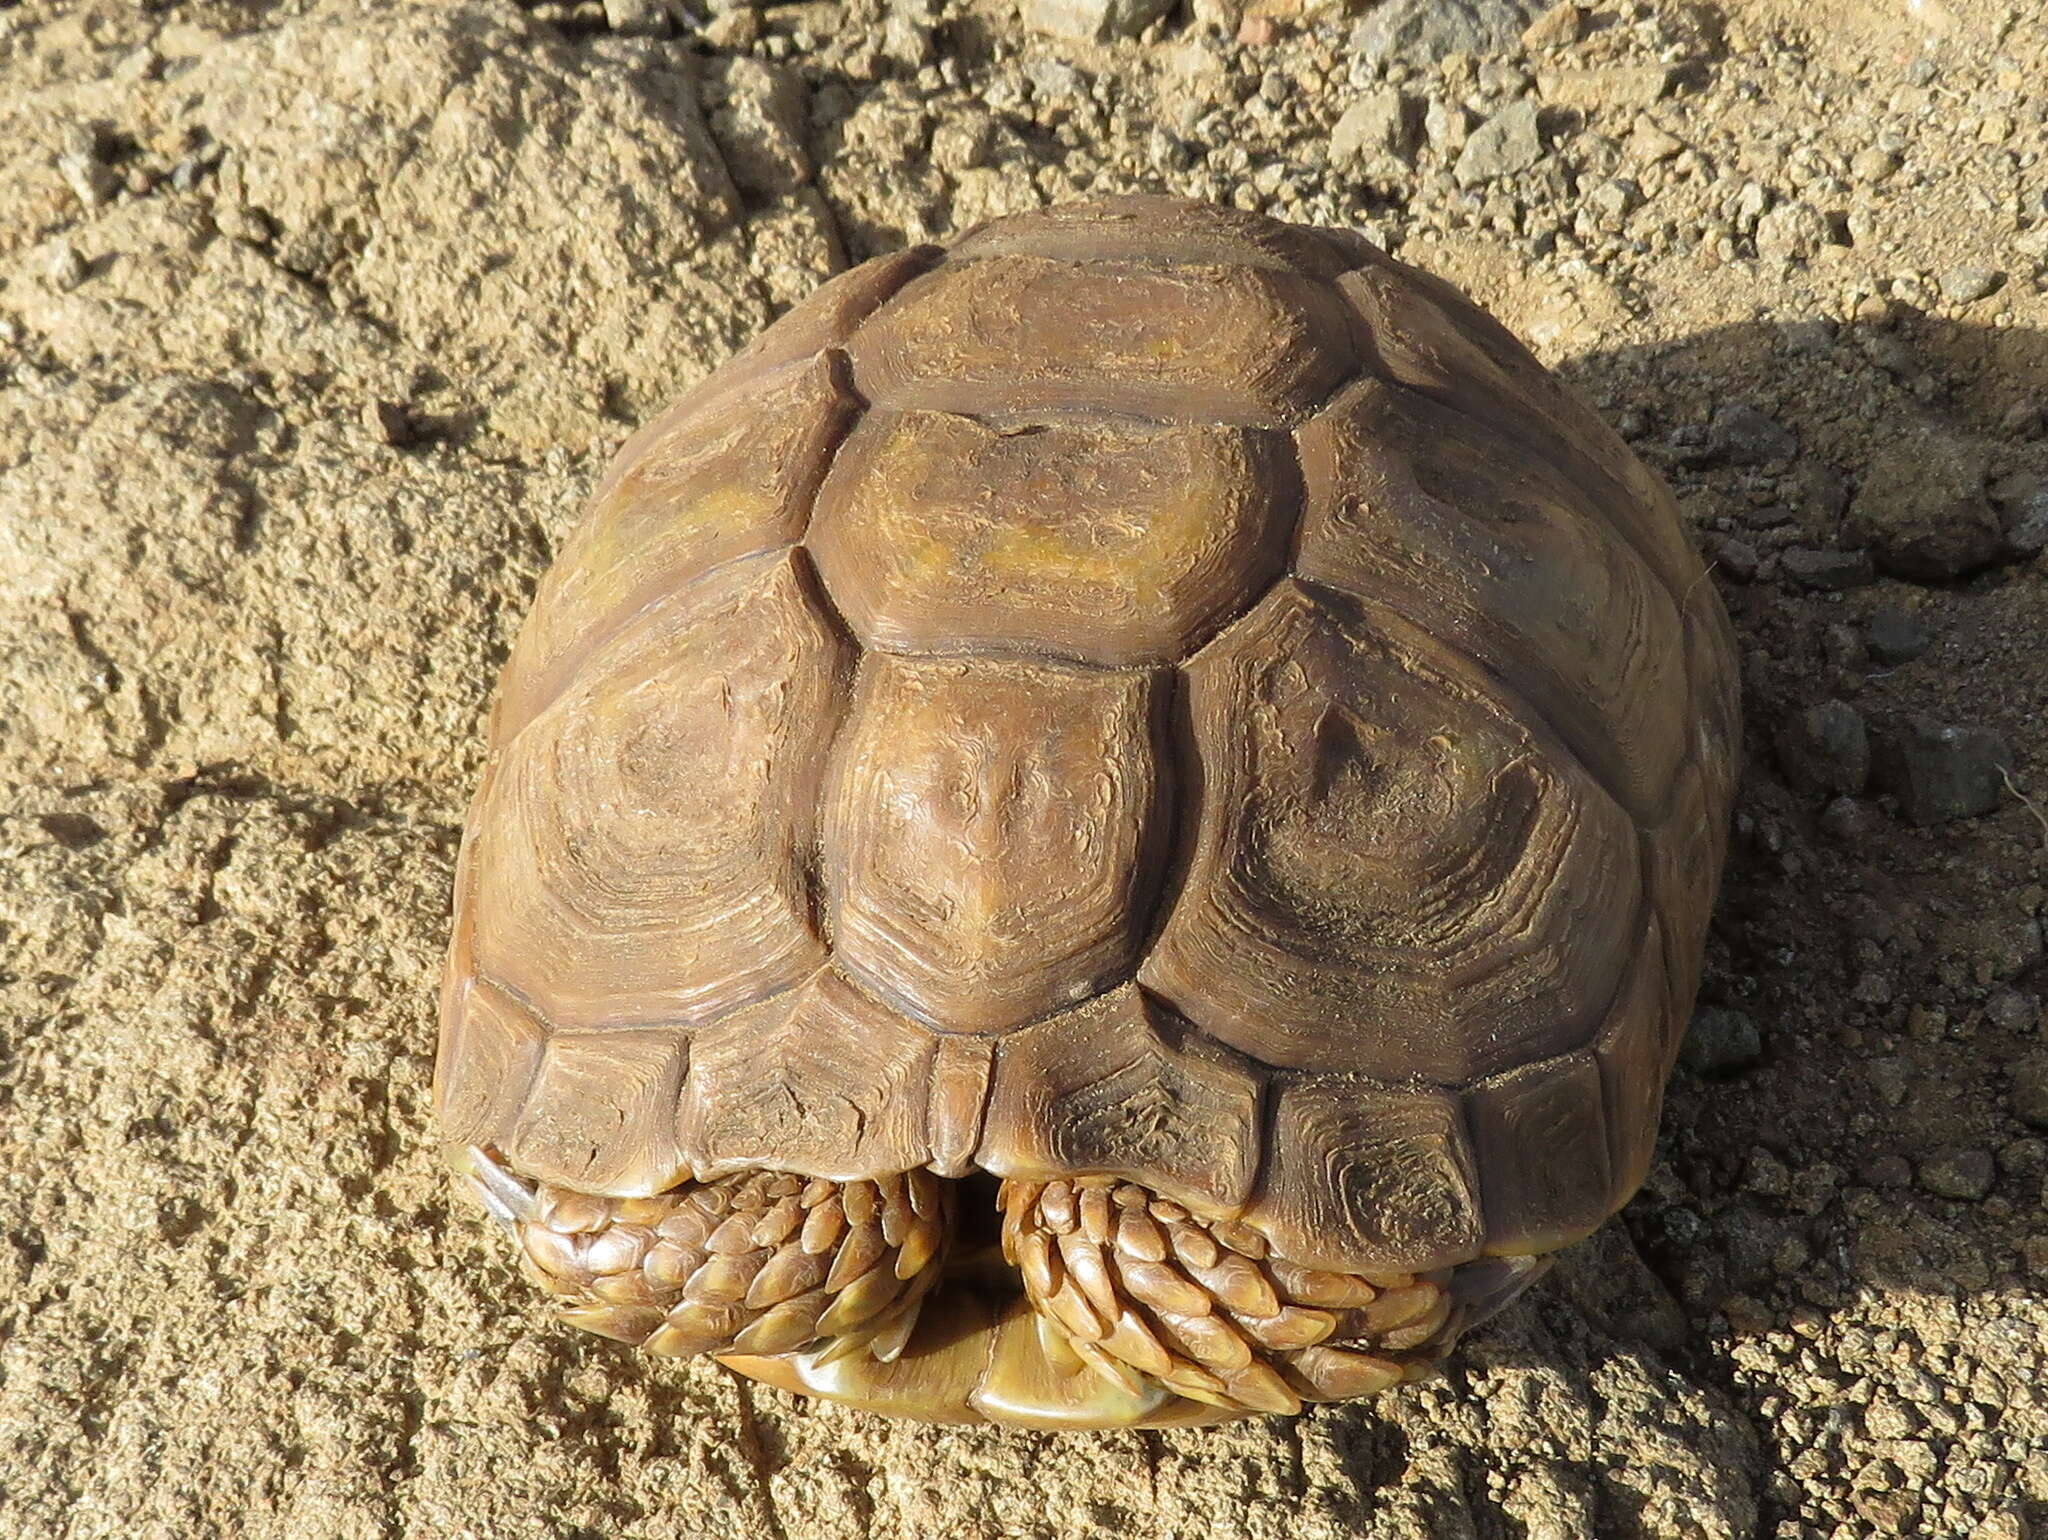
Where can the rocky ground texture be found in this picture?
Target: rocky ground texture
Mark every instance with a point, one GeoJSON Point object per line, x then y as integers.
{"type": "Point", "coordinates": [317, 320]}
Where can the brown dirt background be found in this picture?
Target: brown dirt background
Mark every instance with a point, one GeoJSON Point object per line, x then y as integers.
{"type": "Point", "coordinates": [317, 321]}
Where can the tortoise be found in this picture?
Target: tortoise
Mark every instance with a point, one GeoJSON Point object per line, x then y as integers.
{"type": "Point", "coordinates": [1111, 825]}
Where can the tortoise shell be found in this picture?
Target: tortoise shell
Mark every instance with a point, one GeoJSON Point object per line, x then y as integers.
{"type": "Point", "coordinates": [1147, 692]}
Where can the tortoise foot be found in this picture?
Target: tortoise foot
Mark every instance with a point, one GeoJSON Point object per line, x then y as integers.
{"type": "Point", "coordinates": [760, 1262]}
{"type": "Point", "coordinates": [1147, 1293]}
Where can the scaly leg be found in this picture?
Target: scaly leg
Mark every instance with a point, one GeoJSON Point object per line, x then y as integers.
{"type": "Point", "coordinates": [756, 1262]}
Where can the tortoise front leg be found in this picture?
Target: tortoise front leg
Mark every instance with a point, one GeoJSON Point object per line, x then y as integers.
{"type": "Point", "coordinates": [757, 1262]}
{"type": "Point", "coordinates": [1142, 1288]}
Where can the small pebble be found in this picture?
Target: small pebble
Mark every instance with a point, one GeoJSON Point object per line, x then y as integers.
{"type": "Point", "coordinates": [1847, 820]}
{"type": "Point", "coordinates": [1922, 507]}
{"type": "Point", "coordinates": [1825, 748]}
{"type": "Point", "coordinates": [637, 18]}
{"type": "Point", "coordinates": [1094, 20]}
{"type": "Point", "coordinates": [1940, 772]}
{"type": "Point", "coordinates": [67, 268]}
{"type": "Point", "coordinates": [2011, 1010]}
{"type": "Point", "coordinates": [1379, 123]}
{"type": "Point", "coordinates": [1827, 571]}
{"type": "Point", "coordinates": [1895, 637]}
{"type": "Point", "coordinates": [1742, 435]}
{"type": "Point", "coordinates": [1965, 1174]}
{"type": "Point", "coordinates": [1505, 143]}
{"type": "Point", "coordinates": [1720, 1040]}
{"type": "Point", "coordinates": [389, 423]}
{"type": "Point", "coordinates": [1737, 558]}
{"type": "Point", "coordinates": [1967, 285]}
{"type": "Point", "coordinates": [1558, 27]}
{"type": "Point", "coordinates": [2028, 1091]}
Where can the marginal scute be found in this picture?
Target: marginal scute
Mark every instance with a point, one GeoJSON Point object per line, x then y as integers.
{"type": "Point", "coordinates": [823, 319]}
{"type": "Point", "coordinates": [1441, 517]}
{"type": "Point", "coordinates": [961, 1077]}
{"type": "Point", "coordinates": [1684, 865]}
{"type": "Point", "coordinates": [643, 844]}
{"type": "Point", "coordinates": [1233, 345]}
{"type": "Point", "coordinates": [1430, 337]}
{"type": "Point", "coordinates": [1539, 1140]}
{"type": "Point", "coordinates": [823, 1080]}
{"type": "Point", "coordinates": [1119, 1086]}
{"type": "Point", "coordinates": [1147, 227]}
{"type": "Point", "coordinates": [600, 1113]}
{"type": "Point", "coordinates": [1083, 535]}
{"type": "Point", "coordinates": [1635, 1049]}
{"type": "Point", "coordinates": [490, 1047]}
{"type": "Point", "coordinates": [1716, 676]}
{"type": "Point", "coordinates": [1361, 1176]}
{"type": "Point", "coordinates": [692, 489]}
{"type": "Point", "coordinates": [989, 834]}
{"type": "Point", "coordinates": [1393, 872]}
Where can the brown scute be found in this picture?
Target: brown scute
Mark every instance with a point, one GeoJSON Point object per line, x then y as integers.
{"type": "Point", "coordinates": [1233, 345]}
{"type": "Point", "coordinates": [823, 1079]}
{"type": "Point", "coordinates": [990, 830]}
{"type": "Point", "coordinates": [761, 1262]}
{"type": "Point", "coordinates": [1635, 1049]}
{"type": "Point", "coordinates": [1118, 1085]}
{"type": "Point", "coordinates": [490, 1048]}
{"type": "Point", "coordinates": [1539, 1144]}
{"type": "Point", "coordinates": [1149, 228]}
{"type": "Point", "coordinates": [822, 320]}
{"type": "Point", "coordinates": [1149, 699]}
{"type": "Point", "coordinates": [691, 490]}
{"type": "Point", "coordinates": [1446, 520]}
{"type": "Point", "coordinates": [589, 1086]}
{"type": "Point", "coordinates": [640, 855]}
{"type": "Point", "coordinates": [1684, 866]}
{"type": "Point", "coordinates": [1430, 338]}
{"type": "Point", "coordinates": [1361, 1175]}
{"type": "Point", "coordinates": [1394, 872]}
{"type": "Point", "coordinates": [1079, 535]}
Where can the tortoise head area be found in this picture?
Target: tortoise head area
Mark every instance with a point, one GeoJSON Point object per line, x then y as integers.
{"type": "Point", "coordinates": [1080, 1302]}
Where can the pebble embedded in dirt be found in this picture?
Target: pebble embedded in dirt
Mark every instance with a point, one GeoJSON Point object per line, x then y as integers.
{"type": "Point", "coordinates": [1895, 637]}
{"type": "Point", "coordinates": [1424, 31]}
{"type": "Point", "coordinates": [1922, 508]}
{"type": "Point", "coordinates": [1965, 1174]}
{"type": "Point", "coordinates": [1742, 435]}
{"type": "Point", "coordinates": [1093, 20]}
{"type": "Point", "coordinates": [2028, 1094]}
{"type": "Point", "coordinates": [1378, 123]}
{"type": "Point", "coordinates": [1720, 1041]}
{"type": "Point", "coordinates": [1505, 143]}
{"type": "Point", "coordinates": [1827, 571]}
{"type": "Point", "coordinates": [1940, 772]}
{"type": "Point", "coordinates": [1826, 748]}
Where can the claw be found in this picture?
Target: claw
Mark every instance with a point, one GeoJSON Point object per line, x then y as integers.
{"type": "Point", "coordinates": [507, 1199]}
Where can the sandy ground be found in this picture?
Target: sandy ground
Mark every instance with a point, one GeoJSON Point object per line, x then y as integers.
{"type": "Point", "coordinates": [317, 321]}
